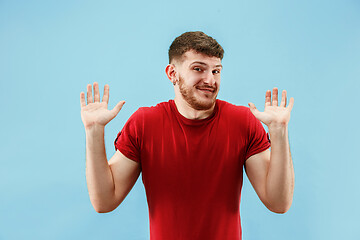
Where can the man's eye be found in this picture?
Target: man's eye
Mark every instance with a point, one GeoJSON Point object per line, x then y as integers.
{"type": "Point", "coordinates": [197, 69]}
{"type": "Point", "coordinates": [216, 71]}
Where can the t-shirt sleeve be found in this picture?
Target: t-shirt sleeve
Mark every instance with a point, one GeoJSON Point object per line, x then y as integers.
{"type": "Point", "coordinates": [128, 140]}
{"type": "Point", "coordinates": [258, 140]}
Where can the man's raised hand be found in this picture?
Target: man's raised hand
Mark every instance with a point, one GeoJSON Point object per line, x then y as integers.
{"type": "Point", "coordinates": [274, 116]}
{"type": "Point", "coordinates": [96, 112]}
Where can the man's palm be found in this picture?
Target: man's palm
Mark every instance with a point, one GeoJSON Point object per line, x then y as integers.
{"type": "Point", "coordinates": [96, 112]}
{"type": "Point", "coordinates": [273, 114]}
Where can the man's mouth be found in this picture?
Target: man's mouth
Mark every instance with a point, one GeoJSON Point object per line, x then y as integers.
{"type": "Point", "coordinates": [206, 89]}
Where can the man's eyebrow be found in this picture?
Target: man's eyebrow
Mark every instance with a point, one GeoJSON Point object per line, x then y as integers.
{"type": "Point", "coordinates": [202, 63]}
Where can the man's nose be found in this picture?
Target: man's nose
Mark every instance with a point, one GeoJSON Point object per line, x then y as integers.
{"type": "Point", "coordinates": [209, 78]}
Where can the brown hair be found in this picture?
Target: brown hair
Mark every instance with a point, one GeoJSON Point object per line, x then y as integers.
{"type": "Point", "coordinates": [198, 41]}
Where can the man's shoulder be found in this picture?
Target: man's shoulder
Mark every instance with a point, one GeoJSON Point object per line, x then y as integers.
{"type": "Point", "coordinates": [159, 107]}
{"type": "Point", "coordinates": [153, 111]}
{"type": "Point", "coordinates": [235, 116]}
{"type": "Point", "coordinates": [230, 108]}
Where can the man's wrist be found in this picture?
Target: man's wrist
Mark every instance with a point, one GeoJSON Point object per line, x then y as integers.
{"type": "Point", "coordinates": [94, 129]}
{"type": "Point", "coordinates": [280, 130]}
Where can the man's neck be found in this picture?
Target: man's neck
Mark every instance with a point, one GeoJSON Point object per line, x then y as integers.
{"type": "Point", "coordinates": [190, 113]}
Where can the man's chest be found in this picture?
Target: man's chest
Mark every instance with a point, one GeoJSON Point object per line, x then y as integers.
{"type": "Point", "coordinates": [194, 157]}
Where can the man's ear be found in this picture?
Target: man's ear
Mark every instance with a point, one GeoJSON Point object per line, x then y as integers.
{"type": "Point", "coordinates": [171, 72]}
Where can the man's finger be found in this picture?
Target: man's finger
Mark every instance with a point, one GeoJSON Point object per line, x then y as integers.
{"type": "Point", "coordinates": [275, 97]}
{"type": "Point", "coordinates": [268, 98]}
{"type": "Point", "coordinates": [118, 107]}
{"type": "Point", "coordinates": [291, 104]}
{"type": "Point", "coordinates": [96, 92]}
{"type": "Point", "coordinates": [253, 109]}
{"type": "Point", "coordinates": [89, 94]}
{"type": "Point", "coordinates": [283, 99]}
{"type": "Point", "coordinates": [82, 99]}
{"type": "Point", "coordinates": [106, 94]}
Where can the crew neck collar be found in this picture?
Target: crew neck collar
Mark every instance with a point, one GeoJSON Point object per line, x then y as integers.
{"type": "Point", "coordinates": [194, 122]}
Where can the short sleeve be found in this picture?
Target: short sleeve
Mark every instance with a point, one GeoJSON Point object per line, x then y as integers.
{"type": "Point", "coordinates": [128, 140]}
{"type": "Point", "coordinates": [258, 140]}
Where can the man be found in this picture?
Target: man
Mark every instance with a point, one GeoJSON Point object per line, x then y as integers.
{"type": "Point", "coordinates": [191, 150]}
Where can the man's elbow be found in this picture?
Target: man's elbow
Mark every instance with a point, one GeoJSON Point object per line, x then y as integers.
{"type": "Point", "coordinates": [281, 208]}
{"type": "Point", "coordinates": [103, 210]}
{"type": "Point", "coordinates": [279, 211]}
{"type": "Point", "coordinates": [104, 207]}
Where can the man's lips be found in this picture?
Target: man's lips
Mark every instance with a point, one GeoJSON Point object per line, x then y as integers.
{"type": "Point", "coordinates": [208, 89]}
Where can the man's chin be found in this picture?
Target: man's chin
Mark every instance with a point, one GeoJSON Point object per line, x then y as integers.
{"type": "Point", "coordinates": [203, 105]}
{"type": "Point", "coordinates": [199, 100]}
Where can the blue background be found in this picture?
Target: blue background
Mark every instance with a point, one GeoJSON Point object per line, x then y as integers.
{"type": "Point", "coordinates": [50, 51]}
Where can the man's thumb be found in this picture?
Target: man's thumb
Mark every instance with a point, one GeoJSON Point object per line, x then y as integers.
{"type": "Point", "coordinates": [253, 108]}
{"type": "Point", "coordinates": [118, 107]}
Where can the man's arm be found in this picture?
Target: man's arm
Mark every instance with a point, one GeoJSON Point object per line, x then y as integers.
{"type": "Point", "coordinates": [272, 173]}
{"type": "Point", "coordinates": [108, 182]}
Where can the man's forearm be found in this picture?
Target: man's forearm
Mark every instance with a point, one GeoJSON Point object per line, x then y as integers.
{"type": "Point", "coordinates": [98, 174]}
{"type": "Point", "coordinates": [280, 178]}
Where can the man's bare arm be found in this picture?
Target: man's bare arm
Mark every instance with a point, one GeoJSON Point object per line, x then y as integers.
{"type": "Point", "coordinates": [272, 173]}
{"type": "Point", "coordinates": [108, 182]}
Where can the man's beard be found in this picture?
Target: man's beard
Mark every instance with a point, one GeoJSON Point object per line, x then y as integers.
{"type": "Point", "coordinates": [188, 93]}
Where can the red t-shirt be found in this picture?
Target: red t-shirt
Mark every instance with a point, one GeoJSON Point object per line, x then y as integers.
{"type": "Point", "coordinates": [192, 170]}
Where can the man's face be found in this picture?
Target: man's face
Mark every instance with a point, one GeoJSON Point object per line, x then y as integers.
{"type": "Point", "coordinates": [199, 79]}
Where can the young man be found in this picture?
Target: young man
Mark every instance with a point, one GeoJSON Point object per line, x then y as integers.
{"type": "Point", "coordinates": [191, 150]}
